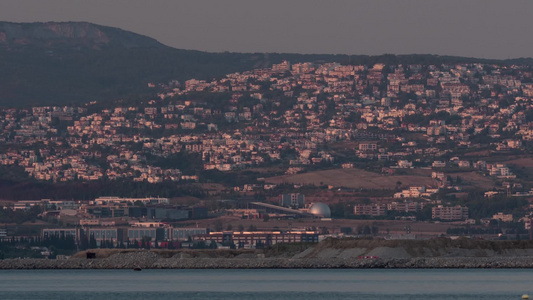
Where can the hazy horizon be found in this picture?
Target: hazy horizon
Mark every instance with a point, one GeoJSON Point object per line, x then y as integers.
{"type": "Point", "coordinates": [476, 28]}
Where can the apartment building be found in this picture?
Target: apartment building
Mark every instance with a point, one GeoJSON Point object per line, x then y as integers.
{"type": "Point", "coordinates": [449, 213]}
{"type": "Point", "coordinates": [374, 210]}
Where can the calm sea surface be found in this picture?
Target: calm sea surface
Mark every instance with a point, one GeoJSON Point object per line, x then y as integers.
{"type": "Point", "coordinates": [265, 284]}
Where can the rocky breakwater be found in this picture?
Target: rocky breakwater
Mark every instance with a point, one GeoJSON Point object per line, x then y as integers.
{"type": "Point", "coordinates": [151, 260]}
{"type": "Point", "coordinates": [331, 253]}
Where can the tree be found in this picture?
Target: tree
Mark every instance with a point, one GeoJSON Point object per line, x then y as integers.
{"type": "Point", "coordinates": [200, 245]}
{"type": "Point", "coordinates": [346, 230]}
{"type": "Point", "coordinates": [92, 242]}
{"type": "Point", "coordinates": [375, 230]}
{"type": "Point", "coordinates": [367, 230]}
{"type": "Point", "coordinates": [213, 245]}
{"type": "Point", "coordinates": [398, 184]}
{"type": "Point", "coordinates": [84, 243]}
{"type": "Point", "coordinates": [218, 225]}
{"type": "Point", "coordinates": [146, 242]}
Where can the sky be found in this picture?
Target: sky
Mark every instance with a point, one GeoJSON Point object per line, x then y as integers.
{"type": "Point", "coordinates": [472, 28]}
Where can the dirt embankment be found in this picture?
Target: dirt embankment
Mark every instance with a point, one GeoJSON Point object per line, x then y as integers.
{"type": "Point", "coordinates": [444, 247]}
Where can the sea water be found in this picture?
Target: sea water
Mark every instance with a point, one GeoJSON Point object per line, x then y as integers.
{"type": "Point", "coordinates": [277, 284]}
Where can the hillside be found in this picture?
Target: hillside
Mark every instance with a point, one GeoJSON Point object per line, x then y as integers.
{"type": "Point", "coordinates": [351, 178]}
{"type": "Point", "coordinates": [60, 63]}
{"type": "Point", "coordinates": [75, 62]}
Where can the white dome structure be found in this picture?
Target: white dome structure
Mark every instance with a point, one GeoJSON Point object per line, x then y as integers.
{"type": "Point", "coordinates": [320, 210]}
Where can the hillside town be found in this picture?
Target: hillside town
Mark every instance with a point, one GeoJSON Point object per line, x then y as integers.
{"type": "Point", "coordinates": [462, 131]}
{"type": "Point", "coordinates": [265, 113]}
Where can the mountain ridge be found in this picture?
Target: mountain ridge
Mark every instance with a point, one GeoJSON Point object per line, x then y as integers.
{"type": "Point", "coordinates": [60, 34]}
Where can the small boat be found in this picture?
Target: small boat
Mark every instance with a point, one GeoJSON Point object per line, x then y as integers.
{"type": "Point", "coordinates": [137, 269]}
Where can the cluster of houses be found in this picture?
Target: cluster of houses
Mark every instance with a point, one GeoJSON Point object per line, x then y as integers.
{"type": "Point", "coordinates": [295, 107]}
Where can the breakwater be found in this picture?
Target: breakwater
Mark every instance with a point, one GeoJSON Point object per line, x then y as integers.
{"type": "Point", "coordinates": [328, 254]}
{"type": "Point", "coordinates": [151, 260]}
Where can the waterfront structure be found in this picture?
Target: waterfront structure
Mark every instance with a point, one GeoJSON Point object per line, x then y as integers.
{"type": "Point", "coordinates": [154, 234]}
{"type": "Point", "coordinates": [184, 234]}
{"type": "Point", "coordinates": [259, 239]}
{"type": "Point", "coordinates": [61, 233]}
{"type": "Point", "coordinates": [115, 235]}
